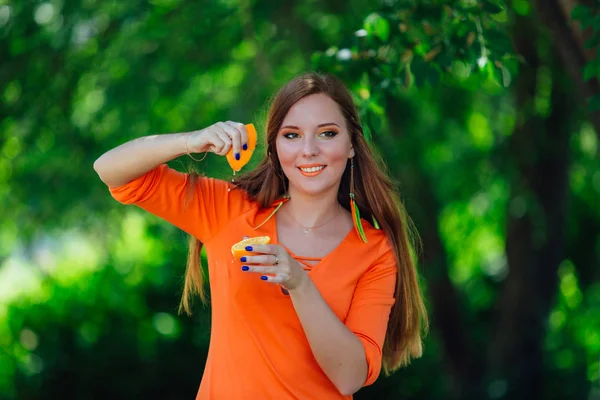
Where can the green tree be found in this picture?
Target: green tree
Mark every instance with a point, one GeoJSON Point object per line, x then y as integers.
{"type": "Point", "coordinates": [485, 113]}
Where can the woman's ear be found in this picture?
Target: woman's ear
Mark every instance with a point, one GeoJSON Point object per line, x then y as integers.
{"type": "Point", "coordinates": [352, 154]}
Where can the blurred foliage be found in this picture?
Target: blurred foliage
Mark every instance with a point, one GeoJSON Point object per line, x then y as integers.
{"type": "Point", "coordinates": [589, 17]}
{"type": "Point", "coordinates": [89, 288]}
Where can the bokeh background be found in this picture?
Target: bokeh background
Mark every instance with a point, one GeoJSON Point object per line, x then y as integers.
{"type": "Point", "coordinates": [487, 114]}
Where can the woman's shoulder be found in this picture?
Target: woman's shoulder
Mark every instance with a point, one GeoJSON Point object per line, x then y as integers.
{"type": "Point", "coordinates": [220, 192]}
{"type": "Point", "coordinates": [378, 244]}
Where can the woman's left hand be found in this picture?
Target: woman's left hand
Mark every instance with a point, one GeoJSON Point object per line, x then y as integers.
{"type": "Point", "coordinates": [274, 260]}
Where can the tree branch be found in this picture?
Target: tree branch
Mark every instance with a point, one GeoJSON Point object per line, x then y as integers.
{"type": "Point", "coordinates": [569, 51]}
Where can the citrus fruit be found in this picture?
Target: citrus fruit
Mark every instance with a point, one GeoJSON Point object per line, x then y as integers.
{"type": "Point", "coordinates": [245, 155]}
{"type": "Point", "coordinates": [239, 249]}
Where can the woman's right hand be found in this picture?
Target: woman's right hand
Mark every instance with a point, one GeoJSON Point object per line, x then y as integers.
{"type": "Point", "coordinates": [219, 139]}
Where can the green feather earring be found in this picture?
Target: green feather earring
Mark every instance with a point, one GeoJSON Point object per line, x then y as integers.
{"type": "Point", "coordinates": [375, 223]}
{"type": "Point", "coordinates": [354, 208]}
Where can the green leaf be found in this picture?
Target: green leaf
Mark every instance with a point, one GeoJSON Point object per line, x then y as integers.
{"type": "Point", "coordinates": [377, 26]}
{"type": "Point", "coordinates": [592, 42]}
{"type": "Point", "coordinates": [590, 71]}
{"type": "Point", "coordinates": [376, 108]}
{"type": "Point", "coordinates": [491, 7]}
{"type": "Point", "coordinates": [424, 72]}
{"type": "Point", "coordinates": [501, 74]}
{"type": "Point", "coordinates": [433, 75]}
{"type": "Point", "coordinates": [418, 67]}
{"type": "Point", "coordinates": [594, 104]}
{"type": "Point", "coordinates": [498, 40]}
{"type": "Point", "coordinates": [315, 59]}
{"type": "Point", "coordinates": [582, 14]}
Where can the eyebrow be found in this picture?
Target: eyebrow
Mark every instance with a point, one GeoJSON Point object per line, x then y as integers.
{"type": "Point", "coordinates": [318, 126]}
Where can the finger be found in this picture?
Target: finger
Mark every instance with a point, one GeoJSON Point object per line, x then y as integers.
{"type": "Point", "coordinates": [234, 134]}
{"type": "Point", "coordinates": [215, 142]}
{"type": "Point", "coordinates": [262, 269]}
{"type": "Point", "coordinates": [241, 128]}
{"type": "Point", "coordinates": [278, 279]}
{"type": "Point", "coordinates": [240, 138]}
{"type": "Point", "coordinates": [266, 259]}
{"type": "Point", "coordinates": [226, 141]}
{"type": "Point", "coordinates": [265, 249]}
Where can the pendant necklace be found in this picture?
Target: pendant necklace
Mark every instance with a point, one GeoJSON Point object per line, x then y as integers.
{"type": "Point", "coordinates": [307, 229]}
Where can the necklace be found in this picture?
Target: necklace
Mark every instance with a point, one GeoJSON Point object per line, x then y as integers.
{"type": "Point", "coordinates": [307, 229]}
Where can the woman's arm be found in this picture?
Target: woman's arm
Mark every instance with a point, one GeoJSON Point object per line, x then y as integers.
{"type": "Point", "coordinates": [337, 350]}
{"type": "Point", "coordinates": [133, 159]}
{"type": "Point", "coordinates": [349, 351]}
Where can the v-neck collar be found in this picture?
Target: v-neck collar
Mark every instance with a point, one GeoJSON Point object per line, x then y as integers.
{"type": "Point", "coordinates": [325, 258]}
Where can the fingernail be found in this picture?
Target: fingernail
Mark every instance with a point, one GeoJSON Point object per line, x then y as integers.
{"type": "Point", "coordinates": [245, 147]}
{"type": "Point", "coordinates": [245, 268]}
{"type": "Point", "coordinates": [243, 259]}
{"type": "Point", "coordinates": [237, 156]}
{"type": "Point", "coordinates": [264, 278]}
{"type": "Point", "coordinates": [248, 248]}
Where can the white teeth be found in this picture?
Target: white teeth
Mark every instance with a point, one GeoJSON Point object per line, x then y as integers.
{"type": "Point", "coordinates": [313, 169]}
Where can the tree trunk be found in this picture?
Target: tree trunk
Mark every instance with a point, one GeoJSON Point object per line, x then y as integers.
{"type": "Point", "coordinates": [462, 365]}
{"type": "Point", "coordinates": [535, 239]}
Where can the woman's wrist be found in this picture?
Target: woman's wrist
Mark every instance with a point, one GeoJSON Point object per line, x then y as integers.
{"type": "Point", "coordinates": [303, 287]}
{"type": "Point", "coordinates": [186, 146]}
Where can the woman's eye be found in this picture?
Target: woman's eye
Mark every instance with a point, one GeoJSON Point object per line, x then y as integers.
{"type": "Point", "coordinates": [290, 135]}
{"type": "Point", "coordinates": [328, 134]}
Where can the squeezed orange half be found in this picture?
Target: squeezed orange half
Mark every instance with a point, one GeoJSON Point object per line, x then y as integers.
{"type": "Point", "coordinates": [245, 155]}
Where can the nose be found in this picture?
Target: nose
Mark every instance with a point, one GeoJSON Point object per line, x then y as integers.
{"type": "Point", "coordinates": [310, 148]}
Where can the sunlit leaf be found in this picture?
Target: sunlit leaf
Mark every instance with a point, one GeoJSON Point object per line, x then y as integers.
{"type": "Point", "coordinates": [378, 26]}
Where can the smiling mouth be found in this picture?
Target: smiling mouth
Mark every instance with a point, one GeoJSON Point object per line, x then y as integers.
{"type": "Point", "coordinates": [312, 170]}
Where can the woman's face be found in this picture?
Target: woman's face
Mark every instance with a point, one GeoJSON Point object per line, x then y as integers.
{"type": "Point", "coordinates": [313, 145]}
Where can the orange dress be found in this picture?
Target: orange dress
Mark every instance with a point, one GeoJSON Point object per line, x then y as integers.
{"type": "Point", "coordinates": [258, 349]}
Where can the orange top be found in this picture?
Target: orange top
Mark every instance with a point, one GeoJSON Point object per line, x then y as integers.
{"type": "Point", "coordinates": [258, 349]}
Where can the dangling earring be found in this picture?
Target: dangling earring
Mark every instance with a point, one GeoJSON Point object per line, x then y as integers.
{"type": "Point", "coordinates": [353, 207]}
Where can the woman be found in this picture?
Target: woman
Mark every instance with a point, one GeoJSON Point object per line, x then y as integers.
{"type": "Point", "coordinates": [313, 314]}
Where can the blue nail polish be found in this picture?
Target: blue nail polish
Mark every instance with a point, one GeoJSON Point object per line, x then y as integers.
{"type": "Point", "coordinates": [248, 248]}
{"type": "Point", "coordinates": [243, 259]}
{"type": "Point", "coordinates": [264, 278]}
{"type": "Point", "coordinates": [245, 146]}
{"type": "Point", "coordinates": [237, 156]}
{"type": "Point", "coordinates": [245, 268]}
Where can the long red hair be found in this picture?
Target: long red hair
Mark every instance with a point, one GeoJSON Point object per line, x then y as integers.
{"type": "Point", "coordinates": [375, 196]}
